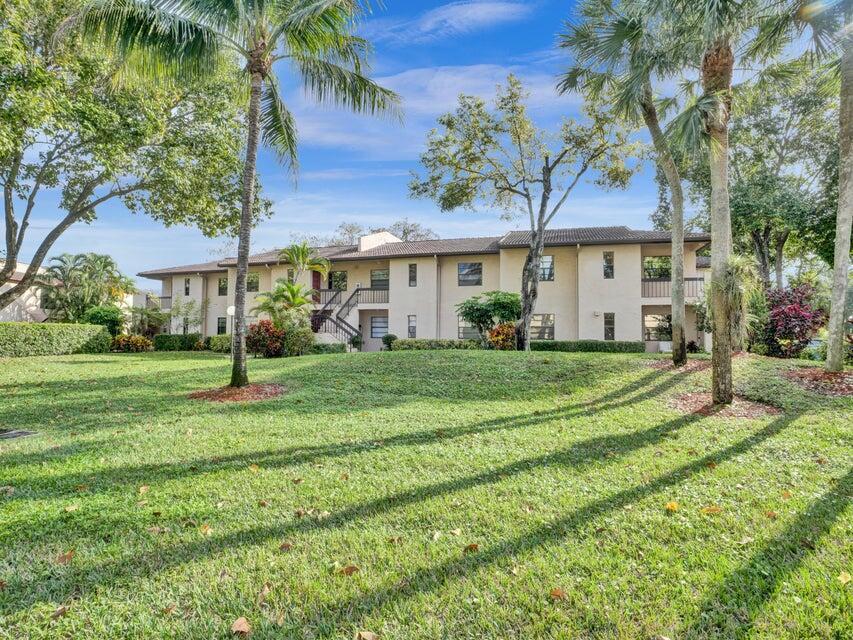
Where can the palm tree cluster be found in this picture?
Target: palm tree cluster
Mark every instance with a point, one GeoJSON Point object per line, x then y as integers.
{"type": "Point", "coordinates": [74, 283]}
{"type": "Point", "coordinates": [623, 49]}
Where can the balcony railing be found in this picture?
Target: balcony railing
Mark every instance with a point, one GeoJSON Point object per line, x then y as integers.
{"type": "Point", "coordinates": [373, 295]}
{"type": "Point", "coordinates": [324, 295]}
{"type": "Point", "coordinates": [662, 287]}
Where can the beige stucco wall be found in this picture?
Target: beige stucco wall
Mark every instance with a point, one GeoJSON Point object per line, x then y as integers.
{"type": "Point", "coordinates": [690, 330]}
{"type": "Point", "coordinates": [364, 320]}
{"type": "Point", "coordinates": [620, 295]}
{"type": "Point", "coordinates": [451, 294]}
{"type": "Point", "coordinates": [26, 308]}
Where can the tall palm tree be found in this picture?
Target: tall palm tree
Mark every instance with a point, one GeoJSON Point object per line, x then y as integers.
{"type": "Point", "coordinates": [621, 53]}
{"type": "Point", "coordinates": [190, 37]}
{"type": "Point", "coordinates": [302, 258]}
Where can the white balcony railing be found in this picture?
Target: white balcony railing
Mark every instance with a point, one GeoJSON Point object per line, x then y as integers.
{"type": "Point", "coordinates": [662, 288]}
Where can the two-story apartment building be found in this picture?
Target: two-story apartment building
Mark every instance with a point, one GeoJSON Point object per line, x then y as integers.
{"type": "Point", "coordinates": [598, 283]}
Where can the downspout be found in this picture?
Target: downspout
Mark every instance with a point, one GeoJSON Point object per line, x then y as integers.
{"type": "Point", "coordinates": [437, 297]}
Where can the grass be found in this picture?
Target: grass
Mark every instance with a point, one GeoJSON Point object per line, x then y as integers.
{"type": "Point", "coordinates": [557, 466]}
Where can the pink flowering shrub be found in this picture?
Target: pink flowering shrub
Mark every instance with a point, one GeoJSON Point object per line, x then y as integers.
{"type": "Point", "coordinates": [792, 320]}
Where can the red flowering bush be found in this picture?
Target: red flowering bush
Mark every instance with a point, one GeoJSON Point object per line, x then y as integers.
{"type": "Point", "coordinates": [265, 339]}
{"type": "Point", "coordinates": [502, 337]}
{"type": "Point", "coordinates": [792, 321]}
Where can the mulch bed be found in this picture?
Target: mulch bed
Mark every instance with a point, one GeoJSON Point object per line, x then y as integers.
{"type": "Point", "coordinates": [701, 403]}
{"type": "Point", "coordinates": [249, 393]}
{"type": "Point", "coordinates": [827, 383]}
{"type": "Point", "coordinates": [690, 367]}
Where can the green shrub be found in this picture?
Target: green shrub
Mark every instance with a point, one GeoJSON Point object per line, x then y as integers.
{"type": "Point", "coordinates": [324, 347]}
{"type": "Point", "coordinates": [388, 340]}
{"type": "Point", "coordinates": [298, 340]}
{"type": "Point", "coordinates": [109, 316]}
{"type": "Point", "coordinates": [219, 344]}
{"type": "Point", "coordinates": [132, 344]}
{"type": "Point", "coordinates": [18, 339]}
{"type": "Point", "coordinates": [603, 346]}
{"type": "Point", "coordinates": [423, 344]}
{"type": "Point", "coordinates": [176, 341]}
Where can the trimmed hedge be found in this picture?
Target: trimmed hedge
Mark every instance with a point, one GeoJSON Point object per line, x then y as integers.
{"type": "Point", "coordinates": [423, 344]}
{"type": "Point", "coordinates": [333, 347]}
{"type": "Point", "coordinates": [19, 339]}
{"type": "Point", "coordinates": [176, 341]}
{"type": "Point", "coordinates": [219, 344]}
{"type": "Point", "coordinates": [603, 346]}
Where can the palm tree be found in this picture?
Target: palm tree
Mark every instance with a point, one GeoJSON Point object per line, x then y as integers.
{"type": "Point", "coordinates": [288, 301]}
{"type": "Point", "coordinates": [621, 54]}
{"type": "Point", "coordinates": [302, 258]}
{"type": "Point", "coordinates": [191, 37]}
{"type": "Point", "coordinates": [74, 283]}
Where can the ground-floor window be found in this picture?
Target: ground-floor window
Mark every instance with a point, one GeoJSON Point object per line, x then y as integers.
{"type": "Point", "coordinates": [378, 326]}
{"type": "Point", "coordinates": [657, 327]}
{"type": "Point", "coordinates": [467, 331]}
{"type": "Point", "coordinates": [542, 326]}
{"type": "Point", "coordinates": [609, 326]}
{"type": "Point", "coordinates": [221, 326]}
{"type": "Point", "coordinates": [413, 326]}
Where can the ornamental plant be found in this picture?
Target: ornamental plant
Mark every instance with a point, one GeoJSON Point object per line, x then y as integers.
{"type": "Point", "coordinates": [265, 339]}
{"type": "Point", "coordinates": [792, 320]}
{"type": "Point", "coordinates": [502, 337]}
{"type": "Point", "coordinates": [132, 344]}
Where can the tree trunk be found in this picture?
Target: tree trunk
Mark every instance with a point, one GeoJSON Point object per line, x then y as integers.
{"type": "Point", "coordinates": [717, 65]}
{"type": "Point", "coordinates": [529, 288]}
{"type": "Point", "coordinates": [841, 265]}
{"type": "Point", "coordinates": [780, 258]}
{"type": "Point", "coordinates": [760, 241]}
{"type": "Point", "coordinates": [670, 171]}
{"type": "Point", "coordinates": [239, 377]}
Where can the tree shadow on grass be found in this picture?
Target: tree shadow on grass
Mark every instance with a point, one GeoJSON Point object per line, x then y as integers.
{"type": "Point", "coordinates": [731, 610]}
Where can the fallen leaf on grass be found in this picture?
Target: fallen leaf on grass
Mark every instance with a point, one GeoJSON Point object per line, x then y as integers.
{"type": "Point", "coordinates": [395, 540]}
{"type": "Point", "coordinates": [348, 570]}
{"type": "Point", "coordinates": [711, 509]}
{"type": "Point", "coordinates": [265, 591]}
{"type": "Point", "coordinates": [254, 469]}
{"type": "Point", "coordinates": [787, 495]}
{"type": "Point", "coordinates": [844, 577]}
{"type": "Point", "coordinates": [7, 490]}
{"type": "Point", "coordinates": [436, 535]}
{"type": "Point", "coordinates": [285, 546]}
{"type": "Point", "coordinates": [471, 548]}
{"type": "Point", "coordinates": [59, 612]}
{"type": "Point", "coordinates": [143, 489]}
{"type": "Point", "coordinates": [169, 609]}
{"type": "Point", "coordinates": [456, 532]}
{"type": "Point", "coordinates": [205, 529]}
{"type": "Point", "coordinates": [82, 487]}
{"type": "Point", "coordinates": [746, 540]}
{"type": "Point", "coordinates": [365, 635]}
{"type": "Point", "coordinates": [241, 627]}
{"type": "Point", "coordinates": [72, 507]}
{"type": "Point", "coordinates": [711, 465]}
{"type": "Point", "coordinates": [345, 476]}
{"type": "Point", "coordinates": [263, 503]}
{"type": "Point", "coordinates": [156, 530]}
{"type": "Point", "coordinates": [297, 481]}
{"type": "Point", "coordinates": [771, 514]}
{"type": "Point", "coordinates": [65, 558]}
{"type": "Point", "coordinates": [557, 594]}
{"type": "Point", "coordinates": [671, 506]}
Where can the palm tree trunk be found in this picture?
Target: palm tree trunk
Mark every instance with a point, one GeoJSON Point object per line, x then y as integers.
{"type": "Point", "coordinates": [670, 171]}
{"type": "Point", "coordinates": [717, 65]}
{"type": "Point", "coordinates": [844, 219]}
{"type": "Point", "coordinates": [239, 377]}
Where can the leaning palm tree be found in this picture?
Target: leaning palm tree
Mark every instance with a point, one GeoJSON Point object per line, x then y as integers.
{"type": "Point", "coordinates": [622, 53]}
{"type": "Point", "coordinates": [303, 258]}
{"type": "Point", "coordinates": [191, 37]}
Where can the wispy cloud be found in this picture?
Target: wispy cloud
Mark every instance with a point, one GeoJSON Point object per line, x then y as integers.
{"type": "Point", "coordinates": [453, 19]}
{"type": "Point", "coordinates": [352, 174]}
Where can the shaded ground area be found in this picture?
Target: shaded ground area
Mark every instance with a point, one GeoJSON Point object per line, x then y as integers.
{"type": "Point", "coordinates": [702, 403]}
{"type": "Point", "coordinates": [828, 383]}
{"type": "Point", "coordinates": [249, 393]}
{"type": "Point", "coordinates": [420, 495]}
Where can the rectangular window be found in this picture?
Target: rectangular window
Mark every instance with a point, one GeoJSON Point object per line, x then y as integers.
{"type": "Point", "coordinates": [657, 327]}
{"type": "Point", "coordinates": [546, 268]}
{"type": "Point", "coordinates": [413, 326]}
{"type": "Point", "coordinates": [657, 268]}
{"type": "Point", "coordinates": [609, 271]}
{"type": "Point", "coordinates": [379, 278]}
{"type": "Point", "coordinates": [223, 286]}
{"type": "Point", "coordinates": [542, 326]}
{"type": "Point", "coordinates": [413, 275]}
{"type": "Point", "coordinates": [291, 276]}
{"type": "Point", "coordinates": [378, 326]}
{"type": "Point", "coordinates": [253, 282]}
{"type": "Point", "coordinates": [186, 287]}
{"type": "Point", "coordinates": [470, 274]}
{"type": "Point", "coordinates": [467, 332]}
{"type": "Point", "coordinates": [338, 280]}
{"type": "Point", "coordinates": [221, 326]}
{"type": "Point", "coordinates": [609, 326]}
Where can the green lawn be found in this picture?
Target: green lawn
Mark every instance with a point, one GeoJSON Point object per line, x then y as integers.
{"type": "Point", "coordinates": [557, 466]}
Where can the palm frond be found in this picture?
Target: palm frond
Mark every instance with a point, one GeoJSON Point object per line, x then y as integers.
{"type": "Point", "coordinates": [278, 126]}
{"type": "Point", "coordinates": [688, 131]}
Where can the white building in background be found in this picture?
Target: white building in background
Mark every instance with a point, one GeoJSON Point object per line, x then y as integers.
{"type": "Point", "coordinates": [27, 306]}
{"type": "Point", "coordinates": [597, 283]}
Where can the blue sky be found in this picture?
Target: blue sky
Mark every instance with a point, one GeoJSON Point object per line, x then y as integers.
{"type": "Point", "coordinates": [356, 168]}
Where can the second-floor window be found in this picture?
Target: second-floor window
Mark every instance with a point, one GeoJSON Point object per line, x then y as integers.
{"type": "Point", "coordinates": [542, 326]}
{"type": "Point", "coordinates": [186, 287]}
{"type": "Point", "coordinates": [221, 326]}
{"type": "Point", "coordinates": [470, 274]}
{"type": "Point", "coordinates": [253, 282]}
{"type": "Point", "coordinates": [609, 326]}
{"type": "Point", "coordinates": [413, 275]}
{"type": "Point", "coordinates": [413, 326]}
{"type": "Point", "coordinates": [379, 278]}
{"type": "Point", "coordinates": [338, 280]}
{"type": "Point", "coordinates": [609, 271]}
{"type": "Point", "coordinates": [223, 286]}
{"type": "Point", "coordinates": [546, 268]}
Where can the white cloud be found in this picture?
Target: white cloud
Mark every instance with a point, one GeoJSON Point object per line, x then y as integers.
{"type": "Point", "coordinates": [454, 19]}
{"type": "Point", "coordinates": [352, 174]}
